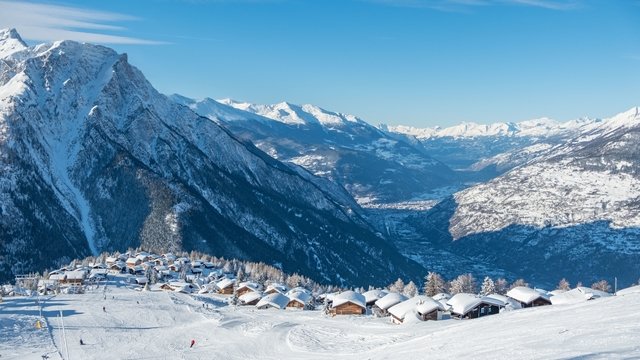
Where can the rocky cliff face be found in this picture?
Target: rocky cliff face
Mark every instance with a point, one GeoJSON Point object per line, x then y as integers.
{"type": "Point", "coordinates": [94, 159]}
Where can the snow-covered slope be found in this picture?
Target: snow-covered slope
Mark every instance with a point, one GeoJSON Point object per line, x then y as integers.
{"type": "Point", "coordinates": [491, 149]}
{"type": "Point", "coordinates": [161, 325]}
{"type": "Point", "coordinates": [369, 163]}
{"type": "Point", "coordinates": [10, 42]}
{"type": "Point", "coordinates": [93, 158]}
{"type": "Point", "coordinates": [576, 203]}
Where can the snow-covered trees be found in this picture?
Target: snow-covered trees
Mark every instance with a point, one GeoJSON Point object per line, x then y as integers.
{"type": "Point", "coordinates": [602, 285]}
{"type": "Point", "coordinates": [488, 286]}
{"type": "Point", "coordinates": [410, 290]}
{"type": "Point", "coordinates": [502, 286]}
{"type": "Point", "coordinates": [563, 285]}
{"type": "Point", "coordinates": [464, 283]}
{"type": "Point", "coordinates": [397, 286]}
{"type": "Point", "coordinates": [433, 284]}
{"type": "Point", "coordinates": [519, 282]}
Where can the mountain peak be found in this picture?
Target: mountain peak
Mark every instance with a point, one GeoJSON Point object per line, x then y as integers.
{"type": "Point", "coordinates": [10, 42]}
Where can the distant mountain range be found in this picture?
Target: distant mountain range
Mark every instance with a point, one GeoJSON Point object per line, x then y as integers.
{"type": "Point", "coordinates": [93, 158]}
{"type": "Point", "coordinates": [372, 165]}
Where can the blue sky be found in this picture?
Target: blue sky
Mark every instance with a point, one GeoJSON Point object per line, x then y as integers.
{"type": "Point", "coordinates": [412, 62]}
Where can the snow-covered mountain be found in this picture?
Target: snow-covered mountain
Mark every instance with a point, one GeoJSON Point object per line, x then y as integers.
{"type": "Point", "coordinates": [93, 158]}
{"type": "Point", "coordinates": [471, 146]}
{"type": "Point", "coordinates": [542, 127]}
{"type": "Point", "coordinates": [371, 164]}
{"type": "Point", "coordinates": [572, 209]}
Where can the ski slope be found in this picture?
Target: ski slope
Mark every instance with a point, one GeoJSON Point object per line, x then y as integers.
{"type": "Point", "coordinates": [161, 325]}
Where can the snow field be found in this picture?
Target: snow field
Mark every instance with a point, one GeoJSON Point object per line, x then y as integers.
{"type": "Point", "coordinates": [160, 325]}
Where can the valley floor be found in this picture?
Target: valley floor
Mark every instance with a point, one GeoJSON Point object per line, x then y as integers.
{"type": "Point", "coordinates": [160, 325]}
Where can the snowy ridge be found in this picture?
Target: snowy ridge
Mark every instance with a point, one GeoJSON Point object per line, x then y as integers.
{"type": "Point", "coordinates": [10, 42]}
{"type": "Point", "coordinates": [542, 127]}
{"type": "Point", "coordinates": [288, 113]}
{"type": "Point", "coordinates": [364, 160]}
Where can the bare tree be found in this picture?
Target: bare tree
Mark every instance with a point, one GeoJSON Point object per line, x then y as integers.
{"type": "Point", "coordinates": [433, 284]}
{"type": "Point", "coordinates": [563, 285]}
{"type": "Point", "coordinates": [602, 285]}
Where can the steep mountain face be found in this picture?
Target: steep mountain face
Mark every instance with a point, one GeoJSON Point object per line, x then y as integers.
{"type": "Point", "coordinates": [372, 165]}
{"type": "Point", "coordinates": [93, 158]}
{"type": "Point", "coordinates": [493, 148]}
{"type": "Point", "coordinates": [573, 210]}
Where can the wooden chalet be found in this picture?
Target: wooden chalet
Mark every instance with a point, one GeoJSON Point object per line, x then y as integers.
{"type": "Point", "coordinates": [275, 300]}
{"type": "Point", "coordinates": [247, 286]}
{"type": "Point", "coordinates": [419, 307]}
{"type": "Point", "coordinates": [276, 288]}
{"type": "Point", "coordinates": [250, 298]}
{"type": "Point", "coordinates": [528, 297]}
{"type": "Point", "coordinates": [372, 296]}
{"type": "Point", "coordinates": [381, 307]}
{"type": "Point", "coordinates": [299, 299]}
{"type": "Point", "coordinates": [470, 306]}
{"type": "Point", "coordinates": [348, 303]}
{"type": "Point", "coordinates": [225, 286]}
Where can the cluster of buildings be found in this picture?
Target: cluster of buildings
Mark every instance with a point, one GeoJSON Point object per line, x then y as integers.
{"type": "Point", "coordinates": [168, 272]}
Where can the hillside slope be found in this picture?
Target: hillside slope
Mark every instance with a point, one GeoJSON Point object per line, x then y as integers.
{"type": "Point", "coordinates": [94, 159]}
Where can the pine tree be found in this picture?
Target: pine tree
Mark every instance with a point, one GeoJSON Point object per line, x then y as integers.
{"type": "Point", "coordinates": [397, 286]}
{"type": "Point", "coordinates": [410, 290]}
{"type": "Point", "coordinates": [563, 285]}
{"type": "Point", "coordinates": [488, 287]}
{"type": "Point", "coordinates": [433, 284]}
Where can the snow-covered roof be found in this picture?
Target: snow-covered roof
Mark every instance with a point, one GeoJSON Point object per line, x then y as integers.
{"type": "Point", "coordinates": [418, 304]}
{"type": "Point", "coordinates": [57, 277]}
{"type": "Point", "coordinates": [277, 287]}
{"type": "Point", "coordinates": [132, 260]}
{"type": "Point", "coordinates": [250, 285]}
{"type": "Point", "coordinates": [374, 295]}
{"type": "Point", "coordinates": [557, 292]}
{"type": "Point", "coordinates": [225, 283]}
{"type": "Point", "coordinates": [441, 296]}
{"type": "Point", "coordinates": [525, 294]}
{"type": "Point", "coordinates": [390, 300]}
{"type": "Point", "coordinates": [349, 297]}
{"type": "Point", "coordinates": [506, 301]}
{"type": "Point", "coordinates": [111, 259]}
{"type": "Point", "coordinates": [461, 303]}
{"type": "Point", "coordinates": [75, 275]}
{"type": "Point", "coordinates": [249, 297]}
{"type": "Point", "coordinates": [579, 294]}
{"type": "Point", "coordinates": [302, 297]}
{"type": "Point", "coordinates": [275, 300]}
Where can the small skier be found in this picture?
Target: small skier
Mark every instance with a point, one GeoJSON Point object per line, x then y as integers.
{"type": "Point", "coordinates": [81, 342]}
{"type": "Point", "coordinates": [104, 309]}
{"type": "Point", "coordinates": [193, 342]}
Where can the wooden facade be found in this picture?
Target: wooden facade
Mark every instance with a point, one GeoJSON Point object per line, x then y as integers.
{"type": "Point", "coordinates": [348, 309]}
{"type": "Point", "coordinates": [243, 290]}
{"type": "Point", "coordinates": [537, 302]}
{"type": "Point", "coordinates": [482, 310]}
{"type": "Point", "coordinates": [433, 315]}
{"type": "Point", "coordinates": [294, 304]}
{"type": "Point", "coordinates": [227, 290]}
